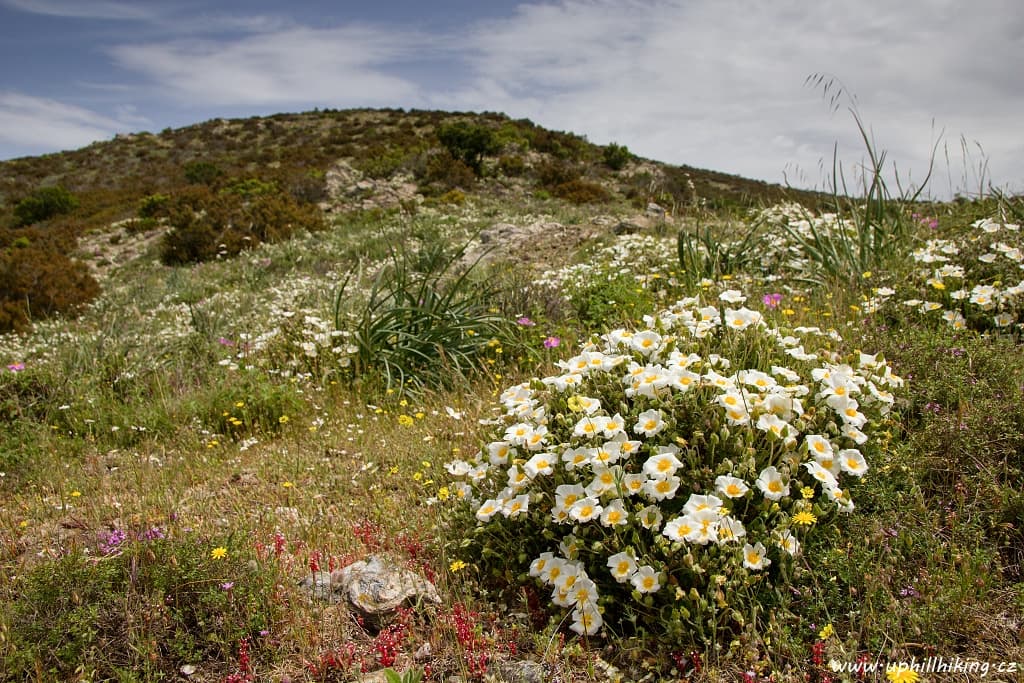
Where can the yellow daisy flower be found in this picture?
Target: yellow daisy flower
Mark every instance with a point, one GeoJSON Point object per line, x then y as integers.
{"type": "Point", "coordinates": [804, 517]}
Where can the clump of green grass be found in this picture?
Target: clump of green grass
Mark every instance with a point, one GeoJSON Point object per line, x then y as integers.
{"type": "Point", "coordinates": [425, 321]}
{"type": "Point", "coordinates": [140, 605]}
{"type": "Point", "coordinates": [246, 404]}
{"type": "Point", "coordinates": [705, 256]}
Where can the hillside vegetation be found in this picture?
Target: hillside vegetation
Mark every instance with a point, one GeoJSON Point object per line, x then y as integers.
{"type": "Point", "coordinates": [224, 186]}
{"type": "Point", "coordinates": [633, 421]}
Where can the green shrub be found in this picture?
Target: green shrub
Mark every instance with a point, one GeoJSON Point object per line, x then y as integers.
{"type": "Point", "coordinates": [581, 191]}
{"type": "Point", "coordinates": [308, 188]}
{"type": "Point", "coordinates": [201, 221]}
{"type": "Point", "coordinates": [246, 406]}
{"type": "Point", "coordinates": [512, 165]}
{"type": "Point", "coordinates": [552, 173]}
{"type": "Point", "coordinates": [26, 396]}
{"type": "Point", "coordinates": [207, 225]}
{"type": "Point", "coordinates": [249, 188]}
{"type": "Point", "coordinates": [456, 197]}
{"type": "Point", "coordinates": [383, 161]}
{"type": "Point", "coordinates": [468, 143]}
{"type": "Point", "coordinates": [202, 172]}
{"type": "Point", "coordinates": [43, 204]}
{"type": "Point", "coordinates": [153, 206]}
{"type": "Point", "coordinates": [443, 173]}
{"type": "Point", "coordinates": [37, 282]}
{"type": "Point", "coordinates": [608, 298]}
{"type": "Point", "coordinates": [616, 156]}
{"type": "Point", "coordinates": [561, 145]}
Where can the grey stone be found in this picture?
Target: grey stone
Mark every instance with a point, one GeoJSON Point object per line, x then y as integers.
{"type": "Point", "coordinates": [423, 653]}
{"type": "Point", "coordinates": [376, 588]}
{"type": "Point", "coordinates": [628, 228]}
{"type": "Point", "coordinates": [535, 243]}
{"type": "Point", "coordinates": [655, 210]}
{"type": "Point", "coordinates": [348, 189]}
{"type": "Point", "coordinates": [321, 586]}
{"type": "Point", "coordinates": [518, 672]}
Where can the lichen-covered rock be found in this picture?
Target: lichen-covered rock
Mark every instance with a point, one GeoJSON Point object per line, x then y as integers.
{"type": "Point", "coordinates": [376, 588]}
{"type": "Point", "coordinates": [347, 190]}
{"type": "Point", "coordinates": [538, 243]}
{"type": "Point", "coordinates": [321, 585]}
{"type": "Point", "coordinates": [519, 672]}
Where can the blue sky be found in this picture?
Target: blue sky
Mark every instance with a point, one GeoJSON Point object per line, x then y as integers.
{"type": "Point", "coordinates": [712, 83]}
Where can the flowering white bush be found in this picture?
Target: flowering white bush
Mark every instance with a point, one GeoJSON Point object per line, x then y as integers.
{"type": "Point", "coordinates": [640, 257]}
{"type": "Point", "coordinates": [973, 281]}
{"type": "Point", "coordinates": [672, 471]}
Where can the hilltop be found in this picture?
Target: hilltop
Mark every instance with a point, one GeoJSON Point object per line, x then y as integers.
{"type": "Point", "coordinates": [296, 147]}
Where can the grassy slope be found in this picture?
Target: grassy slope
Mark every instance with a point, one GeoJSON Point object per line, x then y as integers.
{"type": "Point", "coordinates": [123, 420]}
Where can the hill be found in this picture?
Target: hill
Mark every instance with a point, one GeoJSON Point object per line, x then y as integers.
{"type": "Point", "coordinates": [258, 179]}
{"type": "Point", "coordinates": [295, 147]}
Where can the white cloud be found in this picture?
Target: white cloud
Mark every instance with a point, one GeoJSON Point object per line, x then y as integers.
{"type": "Point", "coordinates": [711, 83]}
{"type": "Point", "coordinates": [85, 9]}
{"type": "Point", "coordinates": [345, 66]}
{"type": "Point", "coordinates": [720, 84]}
{"type": "Point", "coordinates": [31, 125]}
